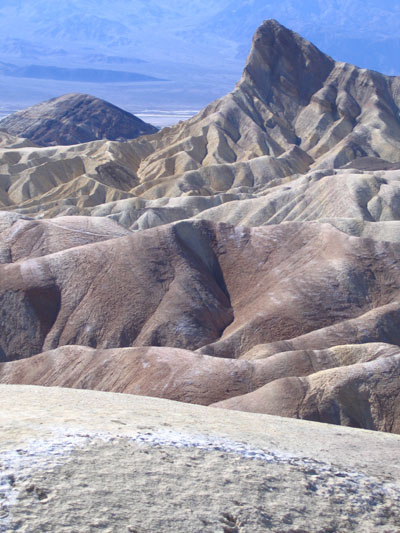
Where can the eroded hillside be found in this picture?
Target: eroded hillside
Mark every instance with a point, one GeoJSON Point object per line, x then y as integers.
{"type": "Point", "coordinates": [247, 257]}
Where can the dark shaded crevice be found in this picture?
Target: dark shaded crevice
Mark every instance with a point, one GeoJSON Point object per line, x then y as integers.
{"type": "Point", "coordinates": [46, 304]}
{"type": "Point", "coordinates": [197, 243]}
{"type": "Point", "coordinates": [26, 318]}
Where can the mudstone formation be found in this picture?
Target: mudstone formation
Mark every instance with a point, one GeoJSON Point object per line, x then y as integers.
{"type": "Point", "coordinates": [247, 258]}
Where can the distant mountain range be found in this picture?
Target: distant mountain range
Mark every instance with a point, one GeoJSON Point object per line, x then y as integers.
{"type": "Point", "coordinates": [153, 30]}
{"type": "Point", "coordinates": [199, 46]}
{"type": "Point", "coordinates": [91, 75]}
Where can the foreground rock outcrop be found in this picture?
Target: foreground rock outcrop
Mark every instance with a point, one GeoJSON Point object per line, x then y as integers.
{"type": "Point", "coordinates": [72, 119]}
{"type": "Point", "coordinates": [354, 385]}
{"type": "Point", "coordinates": [247, 258]}
{"type": "Point", "coordinates": [92, 460]}
{"type": "Point", "coordinates": [362, 395]}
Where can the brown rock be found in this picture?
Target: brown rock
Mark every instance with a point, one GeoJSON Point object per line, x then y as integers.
{"type": "Point", "coordinates": [177, 374]}
{"type": "Point", "coordinates": [194, 285]}
{"type": "Point", "coordinates": [364, 395]}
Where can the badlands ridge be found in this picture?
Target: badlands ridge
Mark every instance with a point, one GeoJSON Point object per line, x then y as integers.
{"type": "Point", "coordinates": [247, 258]}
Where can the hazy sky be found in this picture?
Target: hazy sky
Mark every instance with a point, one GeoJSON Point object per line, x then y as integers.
{"type": "Point", "coordinates": [198, 46]}
{"type": "Point", "coordinates": [367, 30]}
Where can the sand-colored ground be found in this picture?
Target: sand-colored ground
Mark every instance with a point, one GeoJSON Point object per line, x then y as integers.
{"type": "Point", "coordinates": [84, 461]}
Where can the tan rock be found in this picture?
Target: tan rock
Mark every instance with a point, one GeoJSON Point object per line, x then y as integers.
{"type": "Point", "coordinates": [364, 395]}
{"type": "Point", "coordinates": [89, 454]}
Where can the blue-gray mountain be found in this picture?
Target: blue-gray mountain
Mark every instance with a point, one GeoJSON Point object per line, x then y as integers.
{"type": "Point", "coordinates": [187, 43]}
{"type": "Point", "coordinates": [73, 119]}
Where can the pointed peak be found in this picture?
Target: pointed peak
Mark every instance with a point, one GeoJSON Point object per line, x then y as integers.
{"type": "Point", "coordinates": [271, 29]}
{"type": "Point", "coordinates": [275, 41]}
{"type": "Point", "coordinates": [272, 24]}
{"type": "Point", "coordinates": [281, 60]}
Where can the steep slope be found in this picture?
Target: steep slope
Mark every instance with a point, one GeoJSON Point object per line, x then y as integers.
{"type": "Point", "coordinates": [73, 119]}
{"type": "Point", "coordinates": [290, 94]}
{"type": "Point", "coordinates": [218, 288]}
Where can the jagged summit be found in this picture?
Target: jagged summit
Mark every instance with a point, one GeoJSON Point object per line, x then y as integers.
{"type": "Point", "coordinates": [336, 112]}
{"type": "Point", "coordinates": [283, 66]}
{"type": "Point", "coordinates": [74, 118]}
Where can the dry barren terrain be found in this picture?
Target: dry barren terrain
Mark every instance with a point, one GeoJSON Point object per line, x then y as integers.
{"type": "Point", "coordinates": [247, 258]}
{"type": "Point", "coordinates": [88, 461]}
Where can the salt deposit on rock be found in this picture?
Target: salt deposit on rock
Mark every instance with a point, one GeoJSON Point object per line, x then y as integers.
{"type": "Point", "coordinates": [85, 460]}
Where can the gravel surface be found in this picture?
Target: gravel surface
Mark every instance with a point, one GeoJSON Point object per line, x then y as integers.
{"type": "Point", "coordinates": [85, 461]}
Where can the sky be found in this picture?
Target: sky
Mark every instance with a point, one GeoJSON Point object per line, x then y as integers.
{"type": "Point", "coordinates": [176, 55]}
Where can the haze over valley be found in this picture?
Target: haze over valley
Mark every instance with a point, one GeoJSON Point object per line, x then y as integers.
{"type": "Point", "coordinates": [198, 48]}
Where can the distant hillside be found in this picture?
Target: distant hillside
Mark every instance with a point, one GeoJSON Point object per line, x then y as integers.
{"type": "Point", "coordinates": [73, 119]}
{"type": "Point", "coordinates": [199, 46]}
{"type": "Point", "coordinates": [91, 75]}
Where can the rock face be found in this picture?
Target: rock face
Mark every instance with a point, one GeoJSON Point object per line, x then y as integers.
{"type": "Point", "coordinates": [73, 119]}
{"type": "Point", "coordinates": [190, 285]}
{"type": "Point", "coordinates": [364, 395]}
{"type": "Point", "coordinates": [248, 258]}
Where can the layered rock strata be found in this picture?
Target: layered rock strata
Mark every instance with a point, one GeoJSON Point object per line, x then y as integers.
{"type": "Point", "coordinates": [247, 258]}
